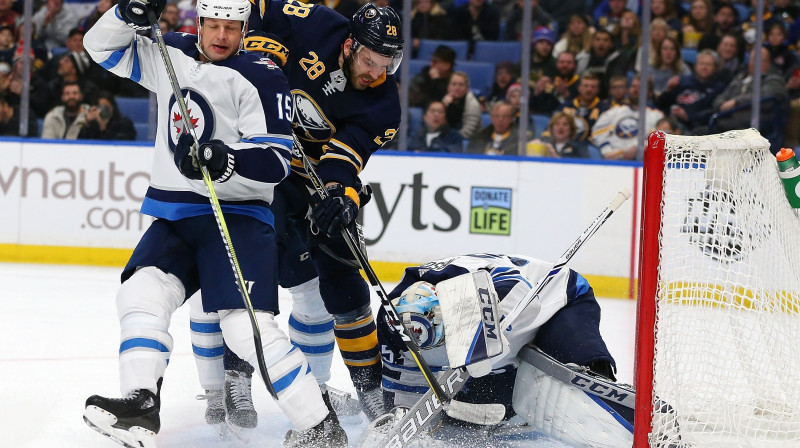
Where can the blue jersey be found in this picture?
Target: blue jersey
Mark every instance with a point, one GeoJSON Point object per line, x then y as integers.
{"type": "Point", "coordinates": [339, 126]}
{"type": "Point", "coordinates": [241, 101]}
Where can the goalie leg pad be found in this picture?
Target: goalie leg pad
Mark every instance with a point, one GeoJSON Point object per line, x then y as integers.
{"type": "Point", "coordinates": [311, 328]}
{"type": "Point", "coordinates": [298, 393]}
{"type": "Point", "coordinates": [145, 304]}
{"type": "Point", "coordinates": [207, 345]}
{"type": "Point", "coordinates": [567, 413]}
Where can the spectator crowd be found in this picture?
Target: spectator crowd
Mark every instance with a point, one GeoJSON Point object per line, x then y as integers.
{"type": "Point", "coordinates": [585, 64]}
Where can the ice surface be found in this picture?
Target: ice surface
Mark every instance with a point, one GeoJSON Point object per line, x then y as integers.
{"type": "Point", "coordinates": [60, 337]}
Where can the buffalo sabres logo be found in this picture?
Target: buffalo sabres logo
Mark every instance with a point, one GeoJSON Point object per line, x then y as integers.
{"type": "Point", "coordinates": [200, 116]}
{"type": "Point", "coordinates": [370, 13]}
{"type": "Point", "coordinates": [581, 128]}
{"type": "Point", "coordinates": [628, 127]}
{"type": "Point", "coordinates": [310, 122]}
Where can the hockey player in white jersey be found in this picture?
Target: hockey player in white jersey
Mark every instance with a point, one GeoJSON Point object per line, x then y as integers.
{"type": "Point", "coordinates": [241, 112]}
{"type": "Point", "coordinates": [563, 322]}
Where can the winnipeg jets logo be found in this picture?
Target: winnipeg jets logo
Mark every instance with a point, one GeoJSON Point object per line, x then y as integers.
{"type": "Point", "coordinates": [337, 83]}
{"type": "Point", "coordinates": [310, 122]}
{"type": "Point", "coordinates": [200, 116]}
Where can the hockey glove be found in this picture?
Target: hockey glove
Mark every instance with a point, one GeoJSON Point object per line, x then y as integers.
{"type": "Point", "coordinates": [335, 212]}
{"type": "Point", "coordinates": [267, 43]}
{"type": "Point", "coordinates": [134, 12]}
{"type": "Point", "coordinates": [214, 155]}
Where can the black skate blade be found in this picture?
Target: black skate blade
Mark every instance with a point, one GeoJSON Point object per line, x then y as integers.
{"type": "Point", "coordinates": [102, 421]}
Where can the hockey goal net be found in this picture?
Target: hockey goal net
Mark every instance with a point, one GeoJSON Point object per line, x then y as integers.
{"type": "Point", "coordinates": [718, 325]}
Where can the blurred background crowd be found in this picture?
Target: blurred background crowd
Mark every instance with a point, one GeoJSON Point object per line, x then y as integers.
{"type": "Point", "coordinates": [465, 88]}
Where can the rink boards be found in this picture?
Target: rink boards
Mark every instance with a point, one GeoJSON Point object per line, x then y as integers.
{"type": "Point", "coordinates": [78, 202]}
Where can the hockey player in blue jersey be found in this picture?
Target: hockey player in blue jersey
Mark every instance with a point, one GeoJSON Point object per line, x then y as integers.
{"type": "Point", "coordinates": [241, 111]}
{"type": "Point", "coordinates": [563, 322]}
{"type": "Point", "coordinates": [346, 107]}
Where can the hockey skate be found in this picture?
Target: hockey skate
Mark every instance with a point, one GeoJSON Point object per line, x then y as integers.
{"type": "Point", "coordinates": [343, 403]}
{"type": "Point", "coordinates": [215, 411]}
{"type": "Point", "coordinates": [132, 421]}
{"type": "Point", "coordinates": [371, 403]}
{"type": "Point", "coordinates": [327, 434]}
{"type": "Point", "coordinates": [240, 414]}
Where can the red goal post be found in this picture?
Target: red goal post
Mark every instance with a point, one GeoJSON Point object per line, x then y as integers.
{"type": "Point", "coordinates": [718, 319]}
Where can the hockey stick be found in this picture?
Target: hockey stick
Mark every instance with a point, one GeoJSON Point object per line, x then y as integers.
{"type": "Point", "coordinates": [212, 195]}
{"type": "Point", "coordinates": [422, 413]}
{"type": "Point", "coordinates": [394, 319]}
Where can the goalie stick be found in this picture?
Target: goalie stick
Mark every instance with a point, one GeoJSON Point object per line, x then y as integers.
{"type": "Point", "coordinates": [454, 408]}
{"type": "Point", "coordinates": [212, 195]}
{"type": "Point", "coordinates": [423, 412]}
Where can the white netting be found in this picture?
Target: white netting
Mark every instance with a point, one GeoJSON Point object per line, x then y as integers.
{"type": "Point", "coordinates": [727, 357]}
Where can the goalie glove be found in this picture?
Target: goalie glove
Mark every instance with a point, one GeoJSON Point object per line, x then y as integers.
{"type": "Point", "coordinates": [134, 12]}
{"type": "Point", "coordinates": [214, 155]}
{"type": "Point", "coordinates": [267, 43]}
{"type": "Point", "coordinates": [337, 211]}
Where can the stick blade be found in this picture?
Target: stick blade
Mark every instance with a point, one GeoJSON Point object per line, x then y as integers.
{"type": "Point", "coordinates": [479, 414]}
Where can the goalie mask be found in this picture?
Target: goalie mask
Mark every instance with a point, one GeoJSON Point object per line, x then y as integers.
{"type": "Point", "coordinates": [418, 307]}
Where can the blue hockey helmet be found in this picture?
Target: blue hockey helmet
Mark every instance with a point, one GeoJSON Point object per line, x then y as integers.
{"type": "Point", "coordinates": [418, 307]}
{"type": "Point", "coordinates": [380, 30]}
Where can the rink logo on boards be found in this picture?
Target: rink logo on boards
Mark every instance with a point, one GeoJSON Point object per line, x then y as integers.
{"type": "Point", "coordinates": [111, 185]}
{"type": "Point", "coordinates": [490, 211]}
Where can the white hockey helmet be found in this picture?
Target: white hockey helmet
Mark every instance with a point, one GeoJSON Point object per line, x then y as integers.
{"type": "Point", "coordinates": [224, 9]}
{"type": "Point", "coordinates": [418, 306]}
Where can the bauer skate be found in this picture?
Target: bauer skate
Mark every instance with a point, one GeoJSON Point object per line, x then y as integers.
{"type": "Point", "coordinates": [327, 434]}
{"type": "Point", "coordinates": [132, 421]}
{"type": "Point", "coordinates": [215, 412]}
{"type": "Point", "coordinates": [240, 414]}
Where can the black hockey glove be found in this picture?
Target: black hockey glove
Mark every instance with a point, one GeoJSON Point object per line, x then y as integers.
{"type": "Point", "coordinates": [214, 155]}
{"type": "Point", "coordinates": [335, 212]}
{"type": "Point", "coordinates": [134, 12]}
{"type": "Point", "coordinates": [267, 43]}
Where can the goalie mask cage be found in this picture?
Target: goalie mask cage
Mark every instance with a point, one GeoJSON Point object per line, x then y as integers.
{"type": "Point", "coordinates": [718, 321]}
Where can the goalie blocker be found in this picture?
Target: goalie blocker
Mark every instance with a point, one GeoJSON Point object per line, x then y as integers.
{"type": "Point", "coordinates": [441, 303]}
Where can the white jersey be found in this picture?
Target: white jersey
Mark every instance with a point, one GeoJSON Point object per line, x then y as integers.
{"type": "Point", "coordinates": [244, 101]}
{"type": "Point", "coordinates": [617, 128]}
{"type": "Point", "coordinates": [513, 277]}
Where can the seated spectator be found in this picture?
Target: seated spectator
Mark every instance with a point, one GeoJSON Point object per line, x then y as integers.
{"type": "Point", "coordinates": [668, 64]}
{"type": "Point", "coordinates": [66, 121]}
{"type": "Point", "coordinates": [626, 40]}
{"type": "Point", "coordinates": [104, 122]}
{"type": "Point", "coordinates": [462, 107]}
{"type": "Point", "coordinates": [514, 98]}
{"type": "Point", "coordinates": [561, 11]}
{"type": "Point", "coordinates": [429, 21]}
{"type": "Point", "coordinates": [586, 107]}
{"type": "Point", "coordinates": [617, 91]}
{"type": "Point", "coordinates": [504, 75]}
{"type": "Point", "coordinates": [659, 30]}
{"type": "Point", "coordinates": [602, 58]}
{"type": "Point", "coordinates": [71, 68]}
{"type": "Point", "coordinates": [689, 98]}
{"type": "Point", "coordinates": [666, 10]}
{"type": "Point", "coordinates": [699, 21]}
{"type": "Point", "coordinates": [616, 130]}
{"type": "Point", "coordinates": [577, 38]}
{"type": "Point", "coordinates": [474, 21]}
{"type": "Point", "coordinates": [668, 125]}
{"type": "Point", "coordinates": [9, 118]}
{"type": "Point", "coordinates": [170, 16]}
{"type": "Point", "coordinates": [608, 15]}
{"type": "Point", "coordinates": [93, 72]}
{"type": "Point", "coordinates": [500, 138]}
{"type": "Point", "coordinates": [729, 51]}
{"type": "Point", "coordinates": [749, 24]}
{"type": "Point", "coordinates": [54, 20]}
{"type": "Point", "coordinates": [542, 61]}
{"type": "Point", "coordinates": [8, 44]}
{"type": "Point", "coordinates": [8, 16]}
{"type": "Point", "coordinates": [435, 135]}
{"type": "Point", "coordinates": [561, 141]}
{"type": "Point", "coordinates": [783, 59]}
{"type": "Point", "coordinates": [726, 21]}
{"type": "Point", "coordinates": [739, 94]}
{"type": "Point", "coordinates": [431, 83]}
{"type": "Point", "coordinates": [539, 18]}
{"type": "Point", "coordinates": [88, 21]}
